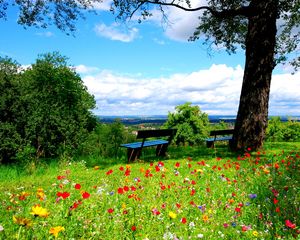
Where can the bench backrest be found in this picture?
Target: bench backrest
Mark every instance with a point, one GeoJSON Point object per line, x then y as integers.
{"type": "Point", "coordinates": [156, 133]}
{"type": "Point", "coordinates": [221, 132]}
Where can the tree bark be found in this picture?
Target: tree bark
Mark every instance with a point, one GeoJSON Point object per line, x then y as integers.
{"type": "Point", "coordinates": [252, 117]}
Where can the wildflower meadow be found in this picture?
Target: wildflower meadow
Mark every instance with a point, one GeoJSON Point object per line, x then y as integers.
{"type": "Point", "coordinates": [251, 196]}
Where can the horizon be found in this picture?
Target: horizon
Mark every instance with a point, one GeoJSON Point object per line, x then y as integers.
{"type": "Point", "coordinates": [148, 68]}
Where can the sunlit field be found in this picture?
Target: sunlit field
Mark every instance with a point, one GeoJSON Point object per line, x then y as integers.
{"type": "Point", "coordinates": [252, 196]}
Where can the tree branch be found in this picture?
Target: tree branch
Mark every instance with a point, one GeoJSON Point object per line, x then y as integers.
{"type": "Point", "coordinates": [227, 13]}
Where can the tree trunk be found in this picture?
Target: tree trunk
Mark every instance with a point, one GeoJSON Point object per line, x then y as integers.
{"type": "Point", "coordinates": [252, 117]}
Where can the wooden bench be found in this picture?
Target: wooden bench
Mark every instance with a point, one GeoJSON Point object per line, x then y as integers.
{"type": "Point", "coordinates": [210, 142]}
{"type": "Point", "coordinates": [134, 149]}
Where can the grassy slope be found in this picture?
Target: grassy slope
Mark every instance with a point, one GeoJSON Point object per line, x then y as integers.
{"type": "Point", "coordinates": [92, 214]}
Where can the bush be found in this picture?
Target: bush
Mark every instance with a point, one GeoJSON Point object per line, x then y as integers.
{"type": "Point", "coordinates": [105, 140]}
{"type": "Point", "coordinates": [279, 131]}
{"type": "Point", "coordinates": [192, 125]}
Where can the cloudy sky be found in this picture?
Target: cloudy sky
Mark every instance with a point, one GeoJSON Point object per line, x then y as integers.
{"type": "Point", "coordinates": [148, 68]}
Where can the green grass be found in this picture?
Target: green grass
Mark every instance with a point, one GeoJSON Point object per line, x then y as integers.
{"type": "Point", "coordinates": [194, 193]}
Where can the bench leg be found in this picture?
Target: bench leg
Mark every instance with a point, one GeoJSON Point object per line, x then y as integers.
{"type": "Point", "coordinates": [161, 150]}
{"type": "Point", "coordinates": [133, 154]}
{"type": "Point", "coordinates": [210, 144]}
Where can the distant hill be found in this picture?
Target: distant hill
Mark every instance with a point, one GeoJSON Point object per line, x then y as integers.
{"type": "Point", "coordinates": [161, 119]}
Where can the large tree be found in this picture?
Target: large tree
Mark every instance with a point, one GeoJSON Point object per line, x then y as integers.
{"type": "Point", "coordinates": [44, 109]}
{"type": "Point", "coordinates": [251, 25]}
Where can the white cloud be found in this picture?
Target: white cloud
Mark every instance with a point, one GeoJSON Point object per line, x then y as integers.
{"type": "Point", "coordinates": [85, 69]}
{"type": "Point", "coordinates": [105, 5]}
{"type": "Point", "coordinates": [116, 32]}
{"type": "Point", "coordinates": [216, 90]}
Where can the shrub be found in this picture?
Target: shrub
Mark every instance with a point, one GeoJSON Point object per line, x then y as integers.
{"type": "Point", "coordinates": [192, 125]}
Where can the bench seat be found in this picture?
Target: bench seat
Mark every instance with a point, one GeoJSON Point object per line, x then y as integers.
{"type": "Point", "coordinates": [219, 139]}
{"type": "Point", "coordinates": [134, 149]}
{"type": "Point", "coordinates": [219, 135]}
{"type": "Point", "coordinates": [149, 143]}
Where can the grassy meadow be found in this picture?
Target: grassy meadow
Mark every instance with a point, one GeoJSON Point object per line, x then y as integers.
{"type": "Point", "coordinates": [194, 193]}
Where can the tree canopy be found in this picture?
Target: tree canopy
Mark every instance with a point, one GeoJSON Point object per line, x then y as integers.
{"type": "Point", "coordinates": [190, 122]}
{"type": "Point", "coordinates": [45, 107]}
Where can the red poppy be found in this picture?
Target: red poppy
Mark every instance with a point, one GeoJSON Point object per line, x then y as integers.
{"type": "Point", "coordinates": [120, 190]}
{"type": "Point", "coordinates": [177, 164]}
{"type": "Point", "coordinates": [193, 192]}
{"type": "Point", "coordinates": [77, 186]}
{"type": "Point", "coordinates": [289, 224]}
{"type": "Point", "coordinates": [126, 188]}
{"type": "Point", "coordinates": [193, 182]}
{"type": "Point", "coordinates": [64, 195]}
{"type": "Point", "coordinates": [121, 168]}
{"type": "Point", "coordinates": [109, 172]}
{"type": "Point", "coordinates": [60, 177]}
{"type": "Point", "coordinates": [183, 220]}
{"type": "Point", "coordinates": [133, 188]}
{"type": "Point", "coordinates": [277, 209]}
{"type": "Point", "coordinates": [85, 195]}
{"type": "Point", "coordinates": [275, 201]}
{"type": "Point", "coordinates": [178, 205]}
{"type": "Point", "coordinates": [133, 228]}
{"type": "Point", "coordinates": [127, 172]}
{"type": "Point", "coordinates": [110, 211]}
{"type": "Point", "coordinates": [238, 209]}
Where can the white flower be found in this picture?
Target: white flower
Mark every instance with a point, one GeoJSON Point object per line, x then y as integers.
{"type": "Point", "coordinates": [191, 224]}
{"type": "Point", "coordinates": [200, 235]}
{"type": "Point", "coordinates": [1, 228]}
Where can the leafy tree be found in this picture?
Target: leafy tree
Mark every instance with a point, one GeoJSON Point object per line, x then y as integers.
{"type": "Point", "coordinates": [253, 26]}
{"type": "Point", "coordinates": [279, 131]}
{"type": "Point", "coordinates": [45, 108]}
{"type": "Point", "coordinates": [41, 13]}
{"type": "Point", "coordinates": [250, 24]}
{"type": "Point", "coordinates": [11, 109]}
{"type": "Point", "coordinates": [58, 106]}
{"type": "Point", "coordinates": [105, 140]}
{"type": "Point", "coordinates": [190, 122]}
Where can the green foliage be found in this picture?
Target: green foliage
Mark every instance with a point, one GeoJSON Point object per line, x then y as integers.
{"type": "Point", "coordinates": [191, 124]}
{"type": "Point", "coordinates": [105, 140]}
{"type": "Point", "coordinates": [63, 14]}
{"type": "Point", "coordinates": [279, 131]}
{"type": "Point", "coordinates": [46, 107]}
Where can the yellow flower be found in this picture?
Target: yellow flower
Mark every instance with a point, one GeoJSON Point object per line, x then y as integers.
{"type": "Point", "coordinates": [172, 215]}
{"type": "Point", "coordinates": [22, 221]}
{"type": "Point", "coordinates": [96, 168]}
{"type": "Point", "coordinates": [123, 205]}
{"type": "Point", "coordinates": [37, 210]}
{"type": "Point", "coordinates": [128, 166]}
{"type": "Point", "coordinates": [56, 230]}
{"type": "Point", "coordinates": [205, 218]}
{"type": "Point", "coordinates": [199, 170]}
{"type": "Point", "coordinates": [40, 194]}
{"type": "Point", "coordinates": [255, 233]}
{"type": "Point", "coordinates": [266, 171]}
{"type": "Point", "coordinates": [231, 200]}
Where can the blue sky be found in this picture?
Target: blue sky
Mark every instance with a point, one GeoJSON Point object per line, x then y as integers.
{"type": "Point", "coordinates": [148, 68]}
